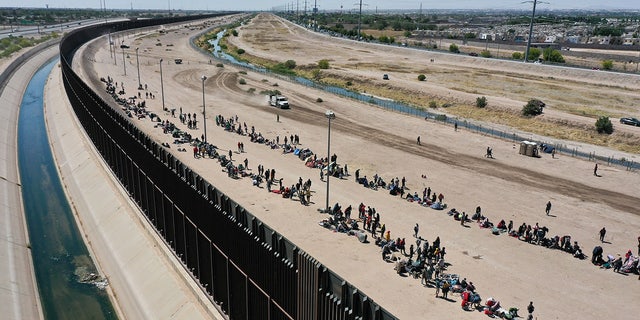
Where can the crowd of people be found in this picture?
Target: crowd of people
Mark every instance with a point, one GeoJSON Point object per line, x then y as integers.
{"type": "Point", "coordinates": [422, 260]}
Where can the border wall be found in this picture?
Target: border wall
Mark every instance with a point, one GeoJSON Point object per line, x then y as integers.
{"type": "Point", "coordinates": [248, 270]}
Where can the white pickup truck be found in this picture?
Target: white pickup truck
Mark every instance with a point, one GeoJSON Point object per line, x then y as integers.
{"type": "Point", "coordinates": [279, 101]}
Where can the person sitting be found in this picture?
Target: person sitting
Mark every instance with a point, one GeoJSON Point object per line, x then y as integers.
{"type": "Point", "coordinates": [502, 225]}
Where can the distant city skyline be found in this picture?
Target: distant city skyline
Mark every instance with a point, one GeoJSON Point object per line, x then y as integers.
{"type": "Point", "coordinates": [333, 5]}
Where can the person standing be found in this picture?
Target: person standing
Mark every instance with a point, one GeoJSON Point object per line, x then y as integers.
{"type": "Point", "coordinates": [603, 231]}
{"type": "Point", "coordinates": [548, 209]}
{"type": "Point", "coordinates": [445, 289]}
{"type": "Point", "coordinates": [455, 126]}
{"type": "Point", "coordinates": [530, 308]}
{"type": "Point", "coordinates": [415, 230]}
{"type": "Point", "coordinates": [277, 117]}
{"type": "Point", "coordinates": [418, 140]}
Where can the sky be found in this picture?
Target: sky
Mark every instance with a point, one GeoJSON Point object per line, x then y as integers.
{"type": "Point", "coordinates": [324, 4]}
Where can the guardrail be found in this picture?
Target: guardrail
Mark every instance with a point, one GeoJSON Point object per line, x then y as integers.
{"type": "Point", "coordinates": [248, 269]}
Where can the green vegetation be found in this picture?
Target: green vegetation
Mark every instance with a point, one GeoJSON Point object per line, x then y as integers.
{"type": "Point", "coordinates": [385, 39]}
{"type": "Point", "coordinates": [533, 108]}
{"type": "Point", "coordinates": [11, 44]}
{"type": "Point", "coordinates": [604, 125]}
{"type": "Point", "coordinates": [323, 64]}
{"type": "Point", "coordinates": [485, 54]}
{"type": "Point", "coordinates": [422, 77]}
{"type": "Point", "coordinates": [319, 100]}
{"type": "Point", "coordinates": [481, 102]}
{"type": "Point", "coordinates": [240, 51]}
{"type": "Point", "coordinates": [534, 54]}
{"type": "Point", "coordinates": [290, 64]}
{"type": "Point", "coordinates": [552, 55]}
{"type": "Point", "coordinates": [454, 48]}
{"type": "Point", "coordinates": [433, 104]}
{"type": "Point", "coordinates": [516, 56]}
{"type": "Point", "coordinates": [234, 32]}
{"type": "Point", "coordinates": [242, 81]}
{"type": "Point", "coordinates": [607, 64]}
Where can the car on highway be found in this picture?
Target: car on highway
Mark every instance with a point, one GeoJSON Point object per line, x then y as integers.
{"type": "Point", "coordinates": [630, 121]}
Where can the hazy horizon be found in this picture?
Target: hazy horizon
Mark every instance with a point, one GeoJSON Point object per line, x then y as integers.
{"type": "Point", "coordinates": [332, 5]}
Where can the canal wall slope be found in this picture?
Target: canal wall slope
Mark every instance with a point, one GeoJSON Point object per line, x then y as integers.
{"type": "Point", "coordinates": [146, 284]}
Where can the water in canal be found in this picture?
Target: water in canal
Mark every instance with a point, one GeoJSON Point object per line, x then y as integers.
{"type": "Point", "coordinates": [63, 266]}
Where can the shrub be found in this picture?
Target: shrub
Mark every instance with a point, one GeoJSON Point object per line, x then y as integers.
{"type": "Point", "coordinates": [407, 34]}
{"type": "Point", "coordinates": [533, 108]}
{"type": "Point", "coordinates": [240, 51]}
{"type": "Point", "coordinates": [275, 84]}
{"type": "Point", "coordinates": [316, 74]}
{"type": "Point", "coordinates": [433, 104]}
{"type": "Point", "coordinates": [290, 64]}
{"type": "Point", "coordinates": [251, 90]}
{"type": "Point", "coordinates": [485, 54]}
{"type": "Point", "coordinates": [553, 55]}
{"type": "Point", "coordinates": [604, 125]}
{"type": "Point", "coordinates": [349, 83]}
{"type": "Point", "coordinates": [242, 81]}
{"type": "Point", "coordinates": [454, 48]}
{"type": "Point", "coordinates": [441, 117]}
{"type": "Point", "coordinates": [319, 100]}
{"type": "Point", "coordinates": [234, 32]}
{"type": "Point", "coordinates": [242, 72]}
{"type": "Point", "coordinates": [422, 77]}
{"type": "Point", "coordinates": [219, 65]}
{"type": "Point", "coordinates": [481, 102]}
{"type": "Point", "coordinates": [516, 56]}
{"type": "Point", "coordinates": [607, 64]}
{"type": "Point", "coordinates": [323, 64]}
{"type": "Point", "coordinates": [534, 53]}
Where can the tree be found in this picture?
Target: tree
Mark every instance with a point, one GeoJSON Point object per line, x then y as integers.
{"type": "Point", "coordinates": [516, 56]}
{"type": "Point", "coordinates": [481, 102]}
{"type": "Point", "coordinates": [290, 64]}
{"type": "Point", "coordinates": [407, 34]}
{"type": "Point", "coordinates": [485, 54]}
{"type": "Point", "coordinates": [607, 64]}
{"type": "Point", "coordinates": [533, 108]}
{"type": "Point", "coordinates": [422, 77]}
{"type": "Point", "coordinates": [553, 55]}
{"type": "Point", "coordinates": [240, 51]}
{"type": "Point", "coordinates": [323, 64]}
{"type": "Point", "coordinates": [604, 125]}
{"type": "Point", "coordinates": [454, 48]}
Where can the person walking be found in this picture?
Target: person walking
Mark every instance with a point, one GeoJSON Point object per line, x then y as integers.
{"type": "Point", "coordinates": [277, 117]}
{"type": "Point", "coordinates": [418, 140]}
{"type": "Point", "coordinates": [455, 126]}
{"type": "Point", "coordinates": [415, 230]}
{"type": "Point", "coordinates": [603, 231]}
{"type": "Point", "coordinates": [595, 170]}
{"type": "Point", "coordinates": [438, 283]}
{"type": "Point", "coordinates": [548, 209]}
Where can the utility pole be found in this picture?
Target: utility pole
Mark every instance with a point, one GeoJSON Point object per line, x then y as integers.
{"type": "Point", "coordinates": [533, 15]}
{"type": "Point", "coordinates": [360, 20]}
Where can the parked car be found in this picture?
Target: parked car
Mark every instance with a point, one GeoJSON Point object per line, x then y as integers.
{"type": "Point", "coordinates": [473, 54]}
{"type": "Point", "coordinates": [630, 121]}
{"type": "Point", "coordinates": [124, 46]}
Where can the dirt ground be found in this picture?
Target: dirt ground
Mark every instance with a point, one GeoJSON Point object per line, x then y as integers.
{"type": "Point", "coordinates": [510, 187]}
{"type": "Point", "coordinates": [574, 97]}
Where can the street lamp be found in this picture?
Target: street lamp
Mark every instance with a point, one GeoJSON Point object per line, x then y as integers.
{"type": "Point", "coordinates": [124, 63]}
{"type": "Point", "coordinates": [138, 65]}
{"type": "Point", "coordinates": [204, 110]}
{"type": "Point", "coordinates": [330, 115]}
{"type": "Point", "coordinates": [161, 86]}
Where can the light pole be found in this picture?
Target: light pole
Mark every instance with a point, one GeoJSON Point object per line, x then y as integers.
{"type": "Point", "coordinates": [138, 65]}
{"type": "Point", "coordinates": [204, 110]}
{"type": "Point", "coordinates": [124, 63]}
{"type": "Point", "coordinates": [161, 86]}
{"type": "Point", "coordinates": [330, 115]}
